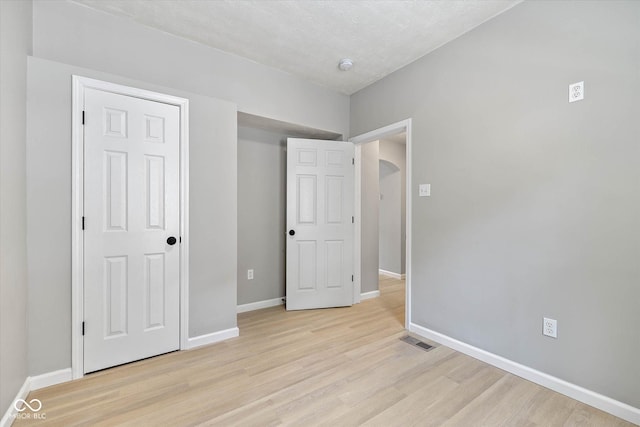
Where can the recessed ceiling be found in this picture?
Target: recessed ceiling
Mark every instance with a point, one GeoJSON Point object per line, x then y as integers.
{"type": "Point", "coordinates": [288, 129]}
{"type": "Point", "coordinates": [308, 38]}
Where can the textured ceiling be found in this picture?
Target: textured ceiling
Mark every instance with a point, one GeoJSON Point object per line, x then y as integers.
{"type": "Point", "coordinates": [308, 38]}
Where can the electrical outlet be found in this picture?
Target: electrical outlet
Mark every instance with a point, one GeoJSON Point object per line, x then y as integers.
{"type": "Point", "coordinates": [424, 190]}
{"type": "Point", "coordinates": [576, 92]}
{"type": "Point", "coordinates": [550, 327]}
{"type": "Point", "coordinates": [250, 274]}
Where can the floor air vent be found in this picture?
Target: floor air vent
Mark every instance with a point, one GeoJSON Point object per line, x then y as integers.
{"type": "Point", "coordinates": [416, 342]}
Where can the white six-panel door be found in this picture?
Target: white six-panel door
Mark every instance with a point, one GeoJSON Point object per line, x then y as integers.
{"type": "Point", "coordinates": [320, 229]}
{"type": "Point", "coordinates": [131, 209]}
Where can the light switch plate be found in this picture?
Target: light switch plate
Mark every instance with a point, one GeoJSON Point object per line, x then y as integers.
{"type": "Point", "coordinates": [424, 190]}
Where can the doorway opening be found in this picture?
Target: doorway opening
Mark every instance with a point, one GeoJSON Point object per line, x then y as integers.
{"type": "Point", "coordinates": [262, 200]}
{"type": "Point", "coordinates": [396, 142]}
{"type": "Point", "coordinates": [391, 214]}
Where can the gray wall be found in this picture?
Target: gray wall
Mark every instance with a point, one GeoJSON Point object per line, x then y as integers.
{"type": "Point", "coordinates": [76, 35]}
{"type": "Point", "coordinates": [262, 197]}
{"type": "Point", "coordinates": [15, 45]}
{"type": "Point", "coordinates": [370, 199]}
{"type": "Point", "coordinates": [395, 152]}
{"type": "Point", "coordinates": [212, 204]}
{"type": "Point", "coordinates": [389, 221]}
{"type": "Point", "coordinates": [535, 202]}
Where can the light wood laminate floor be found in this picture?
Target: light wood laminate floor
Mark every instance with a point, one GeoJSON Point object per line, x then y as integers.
{"type": "Point", "coordinates": [333, 367]}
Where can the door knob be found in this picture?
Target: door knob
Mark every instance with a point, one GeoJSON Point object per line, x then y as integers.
{"type": "Point", "coordinates": [171, 241]}
{"type": "Point", "coordinates": [292, 232]}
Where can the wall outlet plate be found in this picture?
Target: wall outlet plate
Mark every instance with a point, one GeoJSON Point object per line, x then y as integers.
{"type": "Point", "coordinates": [250, 274]}
{"type": "Point", "coordinates": [550, 327]}
{"type": "Point", "coordinates": [424, 190]}
{"type": "Point", "coordinates": [576, 91]}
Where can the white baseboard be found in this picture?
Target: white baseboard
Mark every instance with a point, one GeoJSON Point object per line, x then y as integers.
{"type": "Point", "coordinates": [369, 295]}
{"type": "Point", "coordinates": [392, 274]}
{"type": "Point", "coordinates": [51, 378]}
{"type": "Point", "coordinates": [604, 403]}
{"type": "Point", "coordinates": [10, 414]}
{"type": "Point", "coordinates": [212, 338]}
{"type": "Point", "coordinates": [260, 304]}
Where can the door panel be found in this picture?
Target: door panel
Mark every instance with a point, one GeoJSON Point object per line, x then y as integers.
{"type": "Point", "coordinates": [115, 180]}
{"type": "Point", "coordinates": [155, 290]}
{"type": "Point", "coordinates": [154, 192]}
{"type": "Point", "coordinates": [115, 296]}
{"type": "Point", "coordinates": [334, 265]}
{"type": "Point", "coordinates": [320, 186]}
{"type": "Point", "coordinates": [307, 265]}
{"type": "Point", "coordinates": [131, 283]}
{"type": "Point", "coordinates": [307, 197]}
{"type": "Point", "coordinates": [333, 199]}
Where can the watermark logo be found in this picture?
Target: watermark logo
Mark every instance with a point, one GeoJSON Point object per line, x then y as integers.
{"type": "Point", "coordinates": [29, 410]}
{"type": "Point", "coordinates": [20, 404]}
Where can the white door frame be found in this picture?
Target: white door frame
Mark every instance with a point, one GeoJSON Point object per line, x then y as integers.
{"type": "Point", "coordinates": [392, 129]}
{"type": "Point", "coordinates": [79, 85]}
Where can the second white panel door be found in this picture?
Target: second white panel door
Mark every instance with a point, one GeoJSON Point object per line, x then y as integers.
{"type": "Point", "coordinates": [320, 204]}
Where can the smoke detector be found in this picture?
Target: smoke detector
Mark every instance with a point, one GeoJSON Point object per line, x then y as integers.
{"type": "Point", "coordinates": [345, 64]}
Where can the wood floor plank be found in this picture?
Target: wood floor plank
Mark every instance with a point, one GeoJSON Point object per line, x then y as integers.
{"type": "Point", "coordinates": [331, 367]}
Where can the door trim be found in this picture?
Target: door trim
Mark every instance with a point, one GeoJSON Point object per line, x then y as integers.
{"type": "Point", "coordinates": [79, 85]}
{"type": "Point", "coordinates": [401, 126]}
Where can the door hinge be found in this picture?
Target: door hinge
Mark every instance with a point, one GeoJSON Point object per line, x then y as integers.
{"type": "Point", "coordinates": [180, 239]}
{"type": "Point", "coordinates": [352, 277]}
{"type": "Point", "coordinates": [82, 328]}
{"type": "Point", "coordinates": [353, 220]}
{"type": "Point", "coordinates": [83, 223]}
{"type": "Point", "coordinates": [353, 160]}
{"type": "Point", "coordinates": [83, 117]}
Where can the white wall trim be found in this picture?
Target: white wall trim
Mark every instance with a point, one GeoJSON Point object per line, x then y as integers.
{"type": "Point", "coordinates": [357, 235]}
{"type": "Point", "coordinates": [10, 414]}
{"type": "Point", "coordinates": [212, 338]}
{"type": "Point", "coordinates": [391, 274]}
{"type": "Point", "coordinates": [51, 378]}
{"type": "Point", "coordinates": [401, 126]}
{"type": "Point", "coordinates": [369, 295]}
{"type": "Point", "coordinates": [260, 304]}
{"type": "Point", "coordinates": [604, 403]}
{"type": "Point", "coordinates": [79, 84]}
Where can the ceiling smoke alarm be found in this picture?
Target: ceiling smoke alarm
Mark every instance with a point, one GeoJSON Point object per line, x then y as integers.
{"type": "Point", "coordinates": [345, 64]}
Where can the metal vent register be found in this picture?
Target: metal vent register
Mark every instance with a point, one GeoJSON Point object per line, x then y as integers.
{"type": "Point", "coordinates": [416, 342]}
